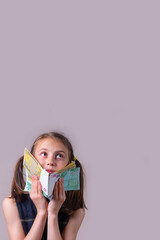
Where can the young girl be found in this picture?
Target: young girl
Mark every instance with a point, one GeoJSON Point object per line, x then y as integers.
{"type": "Point", "coordinates": [32, 216]}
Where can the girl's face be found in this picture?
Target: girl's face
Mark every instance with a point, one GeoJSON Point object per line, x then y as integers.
{"type": "Point", "coordinates": [51, 154]}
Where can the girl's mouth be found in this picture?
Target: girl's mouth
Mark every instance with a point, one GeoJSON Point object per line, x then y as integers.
{"type": "Point", "coordinates": [50, 171]}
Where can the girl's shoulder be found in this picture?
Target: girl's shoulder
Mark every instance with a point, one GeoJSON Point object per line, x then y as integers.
{"type": "Point", "coordinates": [8, 202]}
{"type": "Point", "coordinates": [9, 208]}
{"type": "Point", "coordinates": [78, 214]}
{"type": "Point", "coordinates": [12, 218]}
{"type": "Point", "coordinates": [75, 221]}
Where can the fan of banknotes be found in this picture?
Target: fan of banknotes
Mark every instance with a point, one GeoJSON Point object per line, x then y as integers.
{"type": "Point", "coordinates": [70, 174]}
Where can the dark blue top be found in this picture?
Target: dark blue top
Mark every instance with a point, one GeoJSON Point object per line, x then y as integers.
{"type": "Point", "coordinates": [27, 212]}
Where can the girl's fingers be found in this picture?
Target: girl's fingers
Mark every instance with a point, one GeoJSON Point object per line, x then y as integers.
{"type": "Point", "coordinates": [34, 178]}
{"type": "Point", "coordinates": [63, 191]}
{"type": "Point", "coordinates": [61, 188]}
{"type": "Point", "coordinates": [59, 193]}
{"type": "Point", "coordinates": [34, 185]}
{"type": "Point", "coordinates": [39, 188]}
{"type": "Point", "coordinates": [55, 194]}
{"type": "Point", "coordinates": [62, 194]}
{"type": "Point", "coordinates": [58, 189]}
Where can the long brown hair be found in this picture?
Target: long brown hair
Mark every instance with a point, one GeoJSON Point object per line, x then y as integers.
{"type": "Point", "coordinates": [74, 199]}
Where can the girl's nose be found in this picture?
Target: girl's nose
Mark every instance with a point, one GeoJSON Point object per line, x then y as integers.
{"type": "Point", "coordinates": [51, 161]}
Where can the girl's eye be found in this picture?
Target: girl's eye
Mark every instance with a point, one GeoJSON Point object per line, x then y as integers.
{"type": "Point", "coordinates": [43, 154]}
{"type": "Point", "coordinates": [59, 155]}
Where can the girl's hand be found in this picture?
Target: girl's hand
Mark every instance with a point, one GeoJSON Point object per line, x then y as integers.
{"type": "Point", "coordinates": [37, 196]}
{"type": "Point", "coordinates": [58, 199]}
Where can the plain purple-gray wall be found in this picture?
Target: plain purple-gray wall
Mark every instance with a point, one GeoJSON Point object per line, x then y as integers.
{"type": "Point", "coordinates": [90, 69]}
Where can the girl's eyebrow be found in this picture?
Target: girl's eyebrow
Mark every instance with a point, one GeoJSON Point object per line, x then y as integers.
{"type": "Point", "coordinates": [43, 149]}
{"type": "Point", "coordinates": [60, 151]}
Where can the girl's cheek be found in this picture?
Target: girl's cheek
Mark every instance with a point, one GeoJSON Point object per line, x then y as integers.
{"type": "Point", "coordinates": [41, 162]}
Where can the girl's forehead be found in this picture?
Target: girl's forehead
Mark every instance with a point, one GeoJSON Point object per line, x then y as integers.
{"type": "Point", "coordinates": [50, 144]}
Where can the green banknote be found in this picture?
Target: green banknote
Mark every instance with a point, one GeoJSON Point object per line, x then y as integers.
{"type": "Point", "coordinates": [71, 179]}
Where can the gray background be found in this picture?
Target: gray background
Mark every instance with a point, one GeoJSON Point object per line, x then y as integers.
{"type": "Point", "coordinates": [91, 70]}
